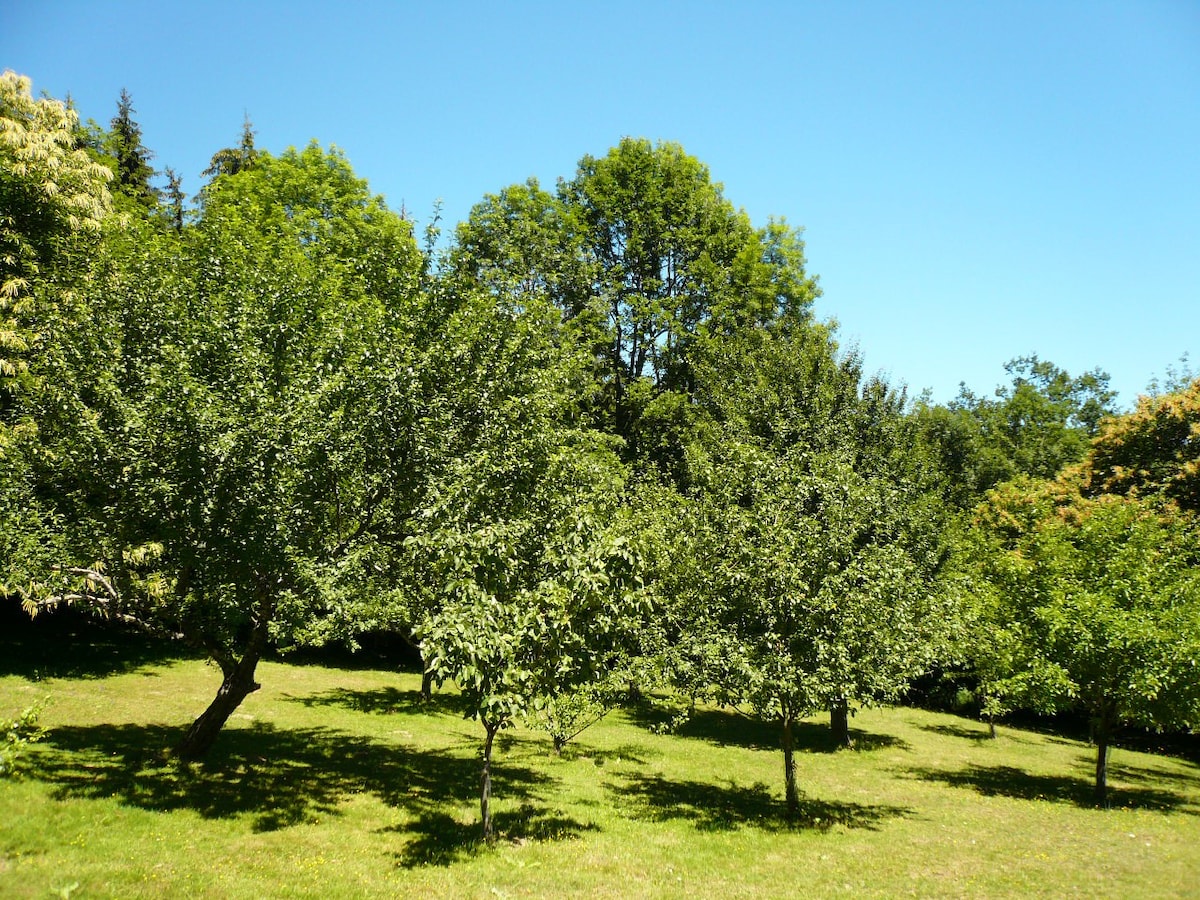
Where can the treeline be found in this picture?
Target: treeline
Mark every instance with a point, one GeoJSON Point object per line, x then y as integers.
{"type": "Point", "coordinates": [597, 445]}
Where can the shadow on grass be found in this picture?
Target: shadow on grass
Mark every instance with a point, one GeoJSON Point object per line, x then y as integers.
{"type": "Point", "coordinates": [385, 700]}
{"type": "Point", "coordinates": [725, 729]}
{"type": "Point", "coordinates": [979, 733]}
{"type": "Point", "coordinates": [1009, 781]}
{"type": "Point", "coordinates": [443, 840]}
{"type": "Point", "coordinates": [714, 807]}
{"type": "Point", "coordinates": [281, 778]}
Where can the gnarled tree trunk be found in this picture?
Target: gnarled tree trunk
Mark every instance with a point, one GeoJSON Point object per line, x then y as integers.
{"type": "Point", "coordinates": [238, 683]}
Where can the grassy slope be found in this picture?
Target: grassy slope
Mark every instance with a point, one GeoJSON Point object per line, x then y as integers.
{"type": "Point", "coordinates": [336, 782]}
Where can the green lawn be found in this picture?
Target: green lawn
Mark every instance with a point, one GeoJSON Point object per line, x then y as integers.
{"type": "Point", "coordinates": [336, 782]}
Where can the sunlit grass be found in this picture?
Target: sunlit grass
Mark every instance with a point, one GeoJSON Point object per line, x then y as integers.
{"type": "Point", "coordinates": [335, 782]}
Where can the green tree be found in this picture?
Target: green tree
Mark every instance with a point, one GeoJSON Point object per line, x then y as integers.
{"type": "Point", "coordinates": [1041, 422]}
{"type": "Point", "coordinates": [53, 201]}
{"type": "Point", "coordinates": [231, 160]}
{"type": "Point", "coordinates": [1095, 605]}
{"type": "Point", "coordinates": [210, 469]}
{"type": "Point", "coordinates": [131, 159]}
{"type": "Point", "coordinates": [644, 253]}
{"type": "Point", "coordinates": [817, 552]}
{"type": "Point", "coordinates": [529, 582]}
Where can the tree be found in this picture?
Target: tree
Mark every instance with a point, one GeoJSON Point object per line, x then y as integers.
{"type": "Point", "coordinates": [1095, 606]}
{"type": "Point", "coordinates": [213, 473]}
{"type": "Point", "coordinates": [818, 553]}
{"type": "Point", "coordinates": [1152, 451]}
{"type": "Point", "coordinates": [53, 201]}
{"type": "Point", "coordinates": [231, 160]}
{"type": "Point", "coordinates": [130, 157]}
{"type": "Point", "coordinates": [644, 253]}
{"type": "Point", "coordinates": [530, 582]}
{"type": "Point", "coordinates": [1038, 424]}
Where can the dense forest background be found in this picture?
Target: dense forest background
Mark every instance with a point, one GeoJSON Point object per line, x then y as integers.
{"type": "Point", "coordinates": [591, 443]}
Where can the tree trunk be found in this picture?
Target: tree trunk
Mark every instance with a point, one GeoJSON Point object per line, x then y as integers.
{"type": "Point", "coordinates": [485, 787]}
{"type": "Point", "coordinates": [992, 727]}
{"type": "Point", "coordinates": [839, 721]}
{"type": "Point", "coordinates": [1101, 791]}
{"type": "Point", "coordinates": [789, 770]}
{"type": "Point", "coordinates": [427, 685]}
{"type": "Point", "coordinates": [237, 685]}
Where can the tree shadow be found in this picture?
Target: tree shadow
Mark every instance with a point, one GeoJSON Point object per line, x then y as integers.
{"type": "Point", "coordinates": [1009, 781]}
{"type": "Point", "coordinates": [714, 807]}
{"type": "Point", "coordinates": [385, 700]}
{"type": "Point", "coordinates": [732, 729]}
{"type": "Point", "coordinates": [959, 731]}
{"type": "Point", "coordinates": [275, 778]}
{"type": "Point", "coordinates": [443, 840]}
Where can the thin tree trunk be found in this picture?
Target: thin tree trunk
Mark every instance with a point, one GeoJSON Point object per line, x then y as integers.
{"type": "Point", "coordinates": [427, 685]}
{"type": "Point", "coordinates": [485, 787]}
{"type": "Point", "coordinates": [789, 770]}
{"type": "Point", "coordinates": [1101, 791]}
{"type": "Point", "coordinates": [237, 685]}
{"type": "Point", "coordinates": [992, 727]}
{"type": "Point", "coordinates": [839, 721]}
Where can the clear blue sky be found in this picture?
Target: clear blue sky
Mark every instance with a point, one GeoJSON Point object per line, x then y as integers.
{"type": "Point", "coordinates": [977, 180]}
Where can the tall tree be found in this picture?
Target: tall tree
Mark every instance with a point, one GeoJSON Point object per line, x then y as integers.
{"type": "Point", "coordinates": [642, 248]}
{"type": "Point", "coordinates": [130, 156]}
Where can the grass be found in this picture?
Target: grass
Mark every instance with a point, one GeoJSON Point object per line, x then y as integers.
{"type": "Point", "coordinates": [335, 782]}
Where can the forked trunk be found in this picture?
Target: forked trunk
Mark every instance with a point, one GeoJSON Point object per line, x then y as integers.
{"type": "Point", "coordinates": [237, 685]}
{"type": "Point", "coordinates": [789, 770]}
{"type": "Point", "coordinates": [485, 787]}
{"type": "Point", "coordinates": [839, 722]}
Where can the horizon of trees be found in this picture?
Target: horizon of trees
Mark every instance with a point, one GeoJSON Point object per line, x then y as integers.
{"type": "Point", "coordinates": [599, 439]}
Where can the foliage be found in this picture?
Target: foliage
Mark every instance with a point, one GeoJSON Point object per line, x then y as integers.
{"type": "Point", "coordinates": [1152, 451]}
{"type": "Point", "coordinates": [50, 192]}
{"type": "Point", "coordinates": [18, 734]}
{"type": "Point", "coordinates": [1037, 425]}
{"type": "Point", "coordinates": [1096, 605]}
{"type": "Point", "coordinates": [207, 463]}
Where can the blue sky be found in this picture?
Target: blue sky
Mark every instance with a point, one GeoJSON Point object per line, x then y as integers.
{"type": "Point", "coordinates": [977, 181]}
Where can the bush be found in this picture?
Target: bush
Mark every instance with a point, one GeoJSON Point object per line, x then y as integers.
{"type": "Point", "coordinates": [19, 733]}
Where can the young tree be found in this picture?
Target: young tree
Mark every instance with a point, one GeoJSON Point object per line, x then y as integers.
{"type": "Point", "coordinates": [821, 551]}
{"type": "Point", "coordinates": [1095, 605]}
{"type": "Point", "coordinates": [530, 582]}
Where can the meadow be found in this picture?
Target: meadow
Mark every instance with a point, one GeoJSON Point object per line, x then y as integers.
{"type": "Point", "coordinates": [341, 782]}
